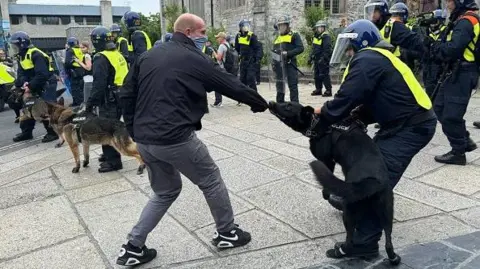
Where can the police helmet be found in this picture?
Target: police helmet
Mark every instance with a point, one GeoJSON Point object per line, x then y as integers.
{"type": "Point", "coordinates": [439, 14]}
{"type": "Point", "coordinates": [132, 20]}
{"type": "Point", "coordinates": [400, 10]}
{"type": "Point", "coordinates": [375, 5]}
{"type": "Point", "coordinates": [102, 39]}
{"type": "Point", "coordinates": [115, 28]}
{"type": "Point", "coordinates": [72, 42]}
{"type": "Point", "coordinates": [168, 37]}
{"type": "Point", "coordinates": [244, 25]}
{"type": "Point", "coordinates": [283, 19]}
{"type": "Point", "coordinates": [321, 24]}
{"type": "Point", "coordinates": [21, 40]}
{"type": "Point", "coordinates": [466, 4]}
{"type": "Point", "coordinates": [358, 35]}
{"type": "Point", "coordinates": [157, 43]}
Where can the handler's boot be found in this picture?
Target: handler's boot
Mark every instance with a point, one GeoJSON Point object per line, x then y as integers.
{"type": "Point", "coordinates": [23, 137]}
{"type": "Point", "coordinates": [327, 93]}
{"type": "Point", "coordinates": [316, 92]}
{"type": "Point", "coordinates": [471, 145]}
{"type": "Point", "coordinates": [51, 135]}
{"type": "Point", "coordinates": [452, 158]}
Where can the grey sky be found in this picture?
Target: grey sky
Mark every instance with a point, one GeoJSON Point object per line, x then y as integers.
{"type": "Point", "coordinates": [144, 6]}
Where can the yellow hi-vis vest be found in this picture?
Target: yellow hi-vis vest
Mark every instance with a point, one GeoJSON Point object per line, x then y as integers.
{"type": "Point", "coordinates": [435, 36]}
{"type": "Point", "coordinates": [386, 33]}
{"type": "Point", "coordinates": [5, 77]}
{"type": "Point", "coordinates": [27, 62]}
{"type": "Point", "coordinates": [318, 41]}
{"type": "Point", "coordinates": [120, 40]}
{"type": "Point", "coordinates": [420, 95]}
{"type": "Point", "coordinates": [147, 39]}
{"type": "Point", "coordinates": [79, 55]}
{"type": "Point", "coordinates": [119, 64]}
{"type": "Point", "coordinates": [284, 38]}
{"type": "Point", "coordinates": [245, 40]}
{"type": "Point", "coordinates": [468, 52]}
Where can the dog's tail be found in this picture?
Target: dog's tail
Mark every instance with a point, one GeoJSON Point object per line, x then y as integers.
{"type": "Point", "coordinates": [330, 182]}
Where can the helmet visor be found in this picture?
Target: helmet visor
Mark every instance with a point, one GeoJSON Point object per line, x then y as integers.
{"type": "Point", "coordinates": [369, 11]}
{"type": "Point", "coordinates": [14, 48]}
{"type": "Point", "coordinates": [246, 27]}
{"type": "Point", "coordinates": [342, 52]}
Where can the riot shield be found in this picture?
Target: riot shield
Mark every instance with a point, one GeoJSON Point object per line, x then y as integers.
{"type": "Point", "coordinates": [64, 97]}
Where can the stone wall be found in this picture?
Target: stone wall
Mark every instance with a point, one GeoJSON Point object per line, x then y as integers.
{"type": "Point", "coordinates": [355, 10]}
{"type": "Point", "coordinates": [42, 31]}
{"type": "Point", "coordinates": [82, 33]}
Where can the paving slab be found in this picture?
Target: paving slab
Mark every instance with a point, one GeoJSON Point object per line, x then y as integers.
{"type": "Point", "coordinates": [191, 208]}
{"type": "Point", "coordinates": [470, 216]}
{"type": "Point", "coordinates": [460, 179]}
{"type": "Point", "coordinates": [235, 133]}
{"type": "Point", "coordinates": [20, 172]}
{"type": "Point", "coordinates": [28, 192]}
{"type": "Point", "coordinates": [433, 255]}
{"type": "Point", "coordinates": [296, 255]}
{"type": "Point", "coordinates": [110, 223]}
{"type": "Point", "coordinates": [205, 133]}
{"type": "Point", "coordinates": [24, 161]}
{"type": "Point", "coordinates": [283, 136]}
{"type": "Point", "coordinates": [299, 205]}
{"type": "Point", "coordinates": [469, 242]}
{"type": "Point", "coordinates": [99, 190]}
{"type": "Point", "coordinates": [137, 179]}
{"type": "Point", "coordinates": [15, 155]}
{"type": "Point", "coordinates": [432, 196]}
{"type": "Point", "coordinates": [301, 141]}
{"type": "Point", "coordinates": [266, 232]}
{"type": "Point", "coordinates": [241, 120]}
{"type": "Point", "coordinates": [43, 174]}
{"type": "Point", "coordinates": [407, 209]}
{"type": "Point", "coordinates": [85, 177]}
{"type": "Point", "coordinates": [266, 127]}
{"type": "Point", "coordinates": [38, 224]}
{"type": "Point", "coordinates": [421, 164]}
{"type": "Point", "coordinates": [256, 154]}
{"type": "Point", "coordinates": [241, 173]}
{"type": "Point", "coordinates": [228, 143]}
{"type": "Point", "coordinates": [286, 149]}
{"type": "Point", "coordinates": [79, 253]}
{"type": "Point", "coordinates": [472, 264]}
{"type": "Point", "coordinates": [286, 165]}
{"type": "Point", "coordinates": [219, 154]}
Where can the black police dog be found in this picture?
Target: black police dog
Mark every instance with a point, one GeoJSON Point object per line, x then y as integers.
{"type": "Point", "coordinates": [366, 177]}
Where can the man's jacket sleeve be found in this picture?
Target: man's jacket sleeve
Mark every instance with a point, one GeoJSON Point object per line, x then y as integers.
{"type": "Point", "coordinates": [405, 38]}
{"type": "Point", "coordinates": [297, 41]}
{"type": "Point", "coordinates": [128, 96]}
{"type": "Point", "coordinates": [42, 73]}
{"type": "Point", "coordinates": [462, 35]}
{"type": "Point", "coordinates": [100, 83]}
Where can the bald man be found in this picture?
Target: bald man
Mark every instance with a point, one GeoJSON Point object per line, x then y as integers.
{"type": "Point", "coordinates": [164, 99]}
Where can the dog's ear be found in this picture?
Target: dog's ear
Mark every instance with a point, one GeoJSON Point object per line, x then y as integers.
{"type": "Point", "coordinates": [307, 110]}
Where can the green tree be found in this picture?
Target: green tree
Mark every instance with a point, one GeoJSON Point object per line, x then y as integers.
{"type": "Point", "coordinates": [312, 15]}
{"type": "Point", "coordinates": [171, 13]}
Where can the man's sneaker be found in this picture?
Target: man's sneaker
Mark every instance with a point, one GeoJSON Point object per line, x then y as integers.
{"type": "Point", "coordinates": [219, 104]}
{"type": "Point", "coordinates": [235, 238]}
{"type": "Point", "coordinates": [130, 256]}
{"type": "Point", "coordinates": [452, 158]}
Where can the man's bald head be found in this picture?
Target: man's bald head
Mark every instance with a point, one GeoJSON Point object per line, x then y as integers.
{"type": "Point", "coordinates": [190, 25]}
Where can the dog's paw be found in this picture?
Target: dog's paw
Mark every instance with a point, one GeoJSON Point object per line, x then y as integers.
{"type": "Point", "coordinates": [140, 169]}
{"type": "Point", "coordinates": [75, 170]}
{"type": "Point", "coordinates": [395, 261]}
{"type": "Point", "coordinates": [85, 163]}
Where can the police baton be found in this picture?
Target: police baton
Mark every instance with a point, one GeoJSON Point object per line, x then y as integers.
{"type": "Point", "coordinates": [296, 68]}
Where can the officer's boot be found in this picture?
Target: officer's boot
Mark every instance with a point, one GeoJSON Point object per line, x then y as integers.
{"type": "Point", "coordinates": [471, 145]}
{"type": "Point", "coordinates": [476, 124]}
{"type": "Point", "coordinates": [51, 135]}
{"type": "Point", "coordinates": [27, 129]}
{"type": "Point", "coordinates": [327, 93]}
{"type": "Point", "coordinates": [316, 92]}
{"type": "Point", "coordinates": [452, 157]}
{"type": "Point", "coordinates": [23, 137]}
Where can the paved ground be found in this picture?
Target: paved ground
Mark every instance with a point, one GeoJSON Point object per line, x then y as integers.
{"type": "Point", "coordinates": [51, 218]}
{"type": "Point", "coordinates": [9, 129]}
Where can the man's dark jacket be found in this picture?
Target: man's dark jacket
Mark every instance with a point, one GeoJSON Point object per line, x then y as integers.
{"type": "Point", "coordinates": [165, 93]}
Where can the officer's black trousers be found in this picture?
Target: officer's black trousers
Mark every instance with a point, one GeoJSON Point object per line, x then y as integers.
{"type": "Point", "coordinates": [257, 74]}
{"type": "Point", "coordinates": [292, 79]}
{"type": "Point", "coordinates": [451, 105]}
{"type": "Point", "coordinates": [431, 75]}
{"type": "Point", "coordinates": [398, 151]}
{"type": "Point", "coordinates": [77, 91]}
{"type": "Point", "coordinates": [247, 73]}
{"type": "Point", "coordinates": [110, 111]}
{"type": "Point", "coordinates": [322, 77]}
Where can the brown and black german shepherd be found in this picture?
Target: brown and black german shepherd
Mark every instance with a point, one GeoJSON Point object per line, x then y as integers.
{"type": "Point", "coordinates": [91, 130]}
{"type": "Point", "coordinates": [365, 188]}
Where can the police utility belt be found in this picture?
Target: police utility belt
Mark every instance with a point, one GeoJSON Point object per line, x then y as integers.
{"type": "Point", "coordinates": [391, 128]}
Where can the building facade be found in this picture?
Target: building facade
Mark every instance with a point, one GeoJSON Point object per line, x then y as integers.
{"type": "Point", "coordinates": [47, 25]}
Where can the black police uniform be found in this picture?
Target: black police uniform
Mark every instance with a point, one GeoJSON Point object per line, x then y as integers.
{"type": "Point", "coordinates": [259, 63]}
{"type": "Point", "coordinates": [454, 94]}
{"type": "Point", "coordinates": [293, 45]}
{"type": "Point", "coordinates": [321, 53]}
{"type": "Point", "coordinates": [139, 42]}
{"type": "Point", "coordinates": [248, 49]}
{"type": "Point", "coordinates": [401, 37]}
{"type": "Point", "coordinates": [122, 46]}
{"type": "Point", "coordinates": [75, 73]}
{"type": "Point", "coordinates": [103, 95]}
{"type": "Point", "coordinates": [432, 68]}
{"type": "Point", "coordinates": [42, 83]}
{"type": "Point", "coordinates": [407, 120]}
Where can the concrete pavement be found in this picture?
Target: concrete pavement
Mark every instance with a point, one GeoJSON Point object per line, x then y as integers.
{"type": "Point", "coordinates": [51, 218]}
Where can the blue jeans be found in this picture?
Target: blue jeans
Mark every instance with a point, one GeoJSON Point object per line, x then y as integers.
{"type": "Point", "coordinates": [398, 151]}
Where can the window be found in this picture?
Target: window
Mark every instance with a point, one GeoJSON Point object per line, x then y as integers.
{"type": "Point", "coordinates": [50, 20]}
{"type": "Point", "coordinates": [334, 6]}
{"type": "Point", "coordinates": [15, 20]}
{"type": "Point", "coordinates": [32, 20]}
{"type": "Point", "coordinates": [65, 20]}
{"type": "Point", "coordinates": [79, 20]}
{"type": "Point", "coordinates": [93, 20]}
{"type": "Point", "coordinates": [229, 4]}
{"type": "Point", "coordinates": [117, 19]}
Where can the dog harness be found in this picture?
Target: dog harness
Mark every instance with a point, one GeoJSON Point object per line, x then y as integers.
{"type": "Point", "coordinates": [77, 124]}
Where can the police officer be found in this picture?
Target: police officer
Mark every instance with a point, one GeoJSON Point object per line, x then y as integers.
{"type": "Point", "coordinates": [432, 69]}
{"type": "Point", "coordinates": [74, 71]}
{"type": "Point", "coordinates": [455, 48]}
{"type": "Point", "coordinates": [35, 76]}
{"type": "Point", "coordinates": [109, 71]}
{"type": "Point", "coordinates": [398, 34]}
{"type": "Point", "coordinates": [288, 44]}
{"type": "Point", "coordinates": [138, 40]}
{"type": "Point", "coordinates": [246, 43]}
{"type": "Point", "coordinates": [376, 11]}
{"type": "Point", "coordinates": [320, 56]}
{"type": "Point", "coordinates": [168, 37]}
{"type": "Point", "coordinates": [259, 63]}
{"type": "Point", "coordinates": [120, 41]}
{"type": "Point", "coordinates": [387, 91]}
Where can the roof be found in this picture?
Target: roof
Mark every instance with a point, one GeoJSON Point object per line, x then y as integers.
{"type": "Point", "coordinates": [59, 10]}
